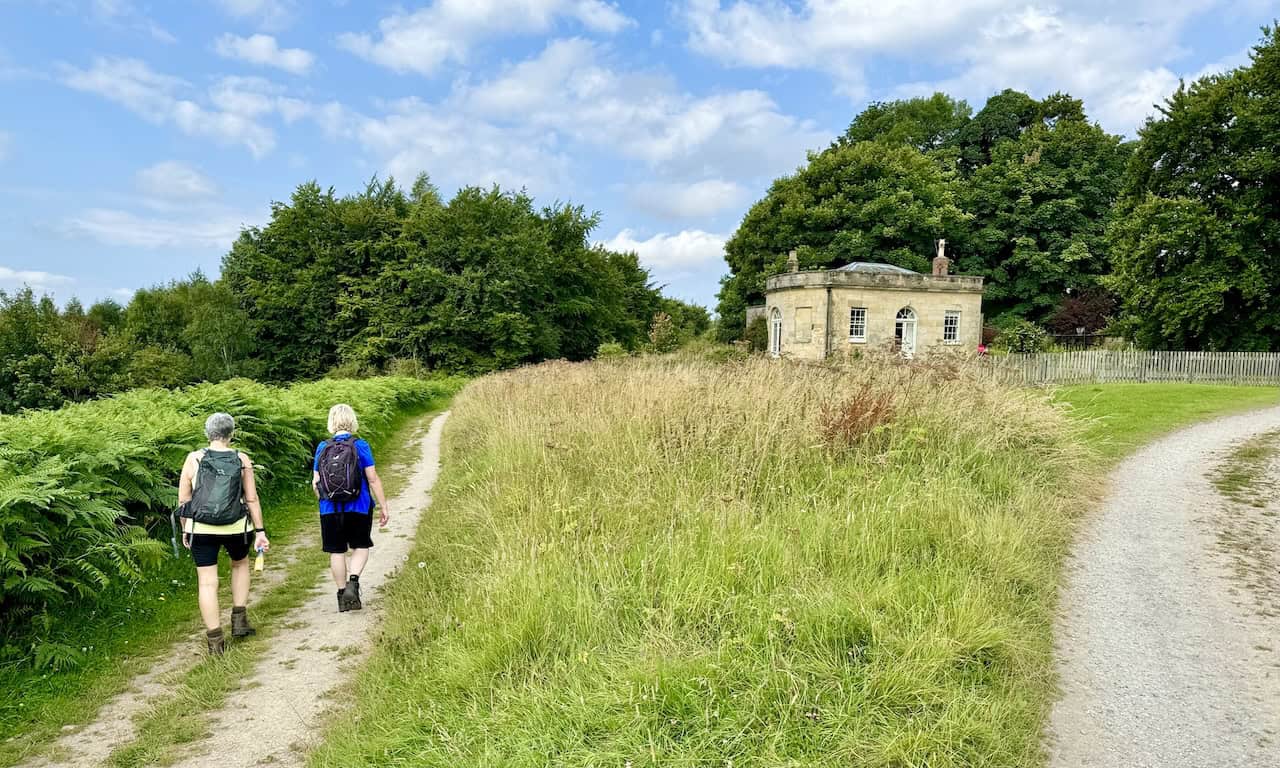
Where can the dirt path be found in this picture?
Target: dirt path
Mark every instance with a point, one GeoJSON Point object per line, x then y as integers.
{"type": "Point", "coordinates": [271, 720]}
{"type": "Point", "coordinates": [1164, 659]}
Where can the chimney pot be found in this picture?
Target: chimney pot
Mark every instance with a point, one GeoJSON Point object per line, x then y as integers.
{"type": "Point", "coordinates": [793, 261]}
{"type": "Point", "coordinates": [941, 264]}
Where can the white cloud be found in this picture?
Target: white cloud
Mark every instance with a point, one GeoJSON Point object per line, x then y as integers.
{"type": "Point", "coordinates": [1119, 58]}
{"type": "Point", "coordinates": [269, 13]}
{"type": "Point", "coordinates": [239, 103]}
{"type": "Point", "coordinates": [116, 227]}
{"type": "Point", "coordinates": [172, 180]}
{"type": "Point", "coordinates": [445, 30]}
{"type": "Point", "coordinates": [263, 50]}
{"type": "Point", "coordinates": [700, 199]}
{"type": "Point", "coordinates": [36, 279]}
{"type": "Point", "coordinates": [122, 13]}
{"type": "Point", "coordinates": [687, 250]}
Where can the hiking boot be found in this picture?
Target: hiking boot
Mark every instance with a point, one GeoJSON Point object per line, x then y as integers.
{"type": "Point", "coordinates": [240, 623]}
{"type": "Point", "coordinates": [351, 595]}
{"type": "Point", "coordinates": [342, 601]}
{"type": "Point", "coordinates": [217, 642]}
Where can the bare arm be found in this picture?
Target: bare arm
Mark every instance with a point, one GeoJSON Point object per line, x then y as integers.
{"type": "Point", "coordinates": [249, 485]}
{"type": "Point", "coordinates": [315, 483]}
{"type": "Point", "coordinates": [185, 491]}
{"type": "Point", "coordinates": [375, 487]}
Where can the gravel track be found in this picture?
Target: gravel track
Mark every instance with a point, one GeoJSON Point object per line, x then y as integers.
{"type": "Point", "coordinates": [1163, 658]}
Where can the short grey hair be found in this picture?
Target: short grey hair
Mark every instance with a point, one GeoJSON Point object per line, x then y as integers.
{"type": "Point", "coordinates": [219, 426]}
{"type": "Point", "coordinates": [342, 418]}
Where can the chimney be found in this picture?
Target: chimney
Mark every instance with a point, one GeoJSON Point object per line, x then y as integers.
{"type": "Point", "coordinates": [941, 264]}
{"type": "Point", "coordinates": [793, 262]}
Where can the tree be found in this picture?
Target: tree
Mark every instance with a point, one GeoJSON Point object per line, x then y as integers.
{"type": "Point", "coordinates": [856, 202]}
{"type": "Point", "coordinates": [926, 123]}
{"type": "Point", "coordinates": [1005, 116]}
{"type": "Point", "coordinates": [1040, 207]}
{"type": "Point", "coordinates": [1196, 237]}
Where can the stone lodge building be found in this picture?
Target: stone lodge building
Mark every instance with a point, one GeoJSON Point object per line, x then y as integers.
{"type": "Point", "coordinates": [865, 305]}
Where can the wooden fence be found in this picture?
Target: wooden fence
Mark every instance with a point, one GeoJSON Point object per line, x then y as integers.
{"type": "Point", "coordinates": [1136, 366]}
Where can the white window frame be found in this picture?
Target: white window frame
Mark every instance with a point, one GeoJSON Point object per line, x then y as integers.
{"type": "Point", "coordinates": [950, 313]}
{"type": "Point", "coordinates": [857, 338]}
{"type": "Point", "coordinates": [775, 332]}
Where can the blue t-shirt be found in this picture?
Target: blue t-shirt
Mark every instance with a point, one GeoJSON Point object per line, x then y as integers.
{"type": "Point", "coordinates": [364, 504]}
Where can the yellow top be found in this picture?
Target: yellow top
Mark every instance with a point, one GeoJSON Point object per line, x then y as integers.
{"type": "Point", "coordinates": [230, 529]}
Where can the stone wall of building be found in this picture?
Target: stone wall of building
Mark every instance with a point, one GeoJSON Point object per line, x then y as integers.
{"type": "Point", "coordinates": [806, 314]}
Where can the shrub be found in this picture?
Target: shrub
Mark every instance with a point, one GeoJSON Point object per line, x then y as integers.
{"type": "Point", "coordinates": [81, 487]}
{"type": "Point", "coordinates": [1022, 337]}
{"type": "Point", "coordinates": [610, 350]}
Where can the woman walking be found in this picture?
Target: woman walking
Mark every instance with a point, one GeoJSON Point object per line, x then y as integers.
{"type": "Point", "coordinates": [217, 497]}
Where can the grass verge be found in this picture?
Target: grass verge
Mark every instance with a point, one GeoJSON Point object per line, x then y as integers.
{"type": "Point", "coordinates": [1119, 418]}
{"type": "Point", "coordinates": [650, 562]}
{"type": "Point", "coordinates": [126, 631]}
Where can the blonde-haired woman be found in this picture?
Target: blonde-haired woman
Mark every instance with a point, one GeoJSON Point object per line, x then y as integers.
{"type": "Point", "coordinates": [346, 483]}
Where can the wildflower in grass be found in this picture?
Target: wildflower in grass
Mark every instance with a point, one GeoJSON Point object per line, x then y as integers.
{"type": "Point", "coordinates": [421, 564]}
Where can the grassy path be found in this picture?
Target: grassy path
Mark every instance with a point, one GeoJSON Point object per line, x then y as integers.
{"type": "Point", "coordinates": [157, 657]}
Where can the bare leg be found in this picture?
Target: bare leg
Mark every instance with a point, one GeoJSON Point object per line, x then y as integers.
{"type": "Point", "coordinates": [207, 579]}
{"type": "Point", "coordinates": [240, 582]}
{"type": "Point", "coordinates": [358, 559]}
{"type": "Point", "coordinates": [338, 567]}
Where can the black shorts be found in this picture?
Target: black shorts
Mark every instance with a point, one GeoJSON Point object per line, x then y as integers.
{"type": "Point", "coordinates": [340, 530]}
{"type": "Point", "coordinates": [205, 546]}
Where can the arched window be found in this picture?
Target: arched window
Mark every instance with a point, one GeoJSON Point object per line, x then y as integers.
{"type": "Point", "coordinates": [904, 331]}
{"type": "Point", "coordinates": [775, 332]}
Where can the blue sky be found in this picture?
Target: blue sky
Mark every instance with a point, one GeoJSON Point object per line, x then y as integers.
{"type": "Point", "coordinates": [138, 136]}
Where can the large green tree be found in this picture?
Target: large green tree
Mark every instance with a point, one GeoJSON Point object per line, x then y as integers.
{"type": "Point", "coordinates": [1196, 239]}
{"type": "Point", "coordinates": [926, 123]}
{"type": "Point", "coordinates": [865, 201]}
{"type": "Point", "coordinates": [1039, 209]}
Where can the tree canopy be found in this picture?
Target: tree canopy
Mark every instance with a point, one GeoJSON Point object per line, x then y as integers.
{"type": "Point", "coordinates": [1196, 238]}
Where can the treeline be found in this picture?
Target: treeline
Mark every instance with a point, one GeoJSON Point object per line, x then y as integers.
{"type": "Point", "coordinates": [386, 279]}
{"type": "Point", "coordinates": [1172, 240]}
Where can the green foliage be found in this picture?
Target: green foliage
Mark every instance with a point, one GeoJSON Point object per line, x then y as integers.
{"type": "Point", "coordinates": [1022, 191]}
{"type": "Point", "coordinates": [611, 350]}
{"type": "Point", "coordinates": [1196, 238]}
{"type": "Point", "coordinates": [482, 282]}
{"type": "Point", "coordinates": [663, 334]}
{"type": "Point", "coordinates": [856, 202]}
{"type": "Point", "coordinates": [1022, 337]}
{"type": "Point", "coordinates": [926, 123]}
{"type": "Point", "coordinates": [82, 486]}
{"type": "Point", "coordinates": [757, 334]}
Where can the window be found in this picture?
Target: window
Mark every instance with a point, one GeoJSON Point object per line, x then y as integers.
{"type": "Point", "coordinates": [857, 324]}
{"type": "Point", "coordinates": [951, 327]}
{"type": "Point", "coordinates": [775, 332]}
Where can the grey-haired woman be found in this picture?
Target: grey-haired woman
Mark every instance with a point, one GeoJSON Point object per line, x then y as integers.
{"type": "Point", "coordinates": [205, 539]}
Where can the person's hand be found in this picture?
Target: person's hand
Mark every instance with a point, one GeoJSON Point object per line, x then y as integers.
{"type": "Point", "coordinates": [260, 542]}
{"type": "Point", "coordinates": [186, 540]}
{"type": "Point", "coordinates": [384, 517]}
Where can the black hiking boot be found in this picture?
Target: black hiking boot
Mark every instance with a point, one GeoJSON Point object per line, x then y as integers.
{"type": "Point", "coordinates": [342, 601]}
{"type": "Point", "coordinates": [352, 594]}
{"type": "Point", "coordinates": [217, 642]}
{"type": "Point", "coordinates": [240, 623]}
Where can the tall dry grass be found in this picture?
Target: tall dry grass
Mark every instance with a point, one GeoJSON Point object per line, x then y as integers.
{"type": "Point", "coordinates": [664, 562]}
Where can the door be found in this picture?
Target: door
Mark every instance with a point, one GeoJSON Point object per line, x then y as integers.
{"type": "Point", "coordinates": [775, 332]}
{"type": "Point", "coordinates": [904, 332]}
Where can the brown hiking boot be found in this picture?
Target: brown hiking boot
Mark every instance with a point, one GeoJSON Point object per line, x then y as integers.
{"type": "Point", "coordinates": [217, 642]}
{"type": "Point", "coordinates": [240, 623]}
{"type": "Point", "coordinates": [349, 598]}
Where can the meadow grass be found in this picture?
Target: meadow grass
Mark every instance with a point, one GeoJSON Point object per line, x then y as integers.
{"type": "Point", "coordinates": [127, 630]}
{"type": "Point", "coordinates": [1119, 418]}
{"type": "Point", "coordinates": [759, 563]}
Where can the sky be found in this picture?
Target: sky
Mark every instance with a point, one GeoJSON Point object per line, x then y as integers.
{"type": "Point", "coordinates": [138, 137]}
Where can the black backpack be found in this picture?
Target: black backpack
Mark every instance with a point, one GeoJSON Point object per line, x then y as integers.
{"type": "Point", "coordinates": [339, 468]}
{"type": "Point", "coordinates": [218, 498]}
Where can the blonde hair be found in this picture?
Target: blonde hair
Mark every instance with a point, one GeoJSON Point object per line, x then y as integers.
{"type": "Point", "coordinates": [342, 418]}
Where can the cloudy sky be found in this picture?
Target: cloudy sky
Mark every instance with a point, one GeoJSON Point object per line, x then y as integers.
{"type": "Point", "coordinates": [138, 136]}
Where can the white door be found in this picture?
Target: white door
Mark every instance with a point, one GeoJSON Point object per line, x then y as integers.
{"type": "Point", "coordinates": [775, 332]}
{"type": "Point", "coordinates": [904, 331]}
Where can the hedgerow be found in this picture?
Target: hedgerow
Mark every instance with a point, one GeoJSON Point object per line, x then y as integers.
{"type": "Point", "coordinates": [86, 490]}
